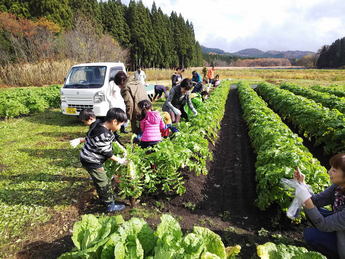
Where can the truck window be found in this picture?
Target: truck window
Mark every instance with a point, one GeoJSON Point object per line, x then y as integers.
{"type": "Point", "coordinates": [113, 72]}
{"type": "Point", "coordinates": [86, 77]}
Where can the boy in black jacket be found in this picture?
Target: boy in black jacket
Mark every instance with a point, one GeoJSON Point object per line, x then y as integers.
{"type": "Point", "coordinates": [88, 117]}
{"type": "Point", "coordinates": [97, 149]}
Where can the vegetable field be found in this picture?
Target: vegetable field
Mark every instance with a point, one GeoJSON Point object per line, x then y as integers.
{"type": "Point", "coordinates": [211, 191]}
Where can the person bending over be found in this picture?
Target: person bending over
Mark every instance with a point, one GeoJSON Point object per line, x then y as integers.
{"type": "Point", "coordinates": [179, 96]}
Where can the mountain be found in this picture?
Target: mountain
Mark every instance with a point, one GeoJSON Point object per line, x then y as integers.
{"type": "Point", "coordinates": [212, 50]}
{"type": "Point", "coordinates": [256, 53]}
{"type": "Point", "coordinates": [253, 53]}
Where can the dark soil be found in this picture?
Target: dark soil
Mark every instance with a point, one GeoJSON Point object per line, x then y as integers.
{"type": "Point", "coordinates": [222, 201]}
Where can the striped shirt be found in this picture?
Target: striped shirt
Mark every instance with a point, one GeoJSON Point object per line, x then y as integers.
{"type": "Point", "coordinates": [98, 146]}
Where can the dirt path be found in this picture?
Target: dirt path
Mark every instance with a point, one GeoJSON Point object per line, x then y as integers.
{"type": "Point", "coordinates": [231, 182]}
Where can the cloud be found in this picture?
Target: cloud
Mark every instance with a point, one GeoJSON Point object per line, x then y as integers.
{"type": "Point", "coordinates": [267, 24]}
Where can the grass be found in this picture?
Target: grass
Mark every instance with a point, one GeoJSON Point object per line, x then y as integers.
{"type": "Point", "coordinates": [40, 172]}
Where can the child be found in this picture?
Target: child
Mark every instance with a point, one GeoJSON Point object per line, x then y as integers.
{"type": "Point", "coordinates": [216, 81]}
{"type": "Point", "coordinates": [151, 124]}
{"type": "Point", "coordinates": [97, 149]}
{"type": "Point", "coordinates": [88, 117]}
{"type": "Point", "coordinates": [169, 128]}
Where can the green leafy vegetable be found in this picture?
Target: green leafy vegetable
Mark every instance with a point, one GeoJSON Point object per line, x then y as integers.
{"type": "Point", "coordinates": [281, 251]}
{"type": "Point", "coordinates": [22, 101]}
{"type": "Point", "coordinates": [135, 239]}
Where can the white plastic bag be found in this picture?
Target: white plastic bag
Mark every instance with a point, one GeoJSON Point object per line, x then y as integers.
{"type": "Point", "coordinates": [295, 207]}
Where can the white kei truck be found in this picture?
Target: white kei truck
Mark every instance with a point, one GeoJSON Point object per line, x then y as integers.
{"type": "Point", "coordinates": [87, 85]}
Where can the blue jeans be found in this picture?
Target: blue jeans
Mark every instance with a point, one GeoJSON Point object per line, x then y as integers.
{"type": "Point", "coordinates": [324, 242]}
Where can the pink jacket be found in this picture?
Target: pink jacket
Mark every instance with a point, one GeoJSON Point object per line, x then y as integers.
{"type": "Point", "coordinates": [151, 127]}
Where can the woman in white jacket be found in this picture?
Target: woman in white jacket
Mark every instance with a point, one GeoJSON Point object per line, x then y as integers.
{"type": "Point", "coordinates": [115, 100]}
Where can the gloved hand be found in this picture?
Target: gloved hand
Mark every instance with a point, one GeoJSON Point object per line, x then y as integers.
{"type": "Point", "coordinates": [302, 193]}
{"type": "Point", "coordinates": [122, 161]}
{"type": "Point", "coordinates": [75, 142]}
{"type": "Point", "coordinates": [177, 112]}
{"type": "Point", "coordinates": [196, 113]}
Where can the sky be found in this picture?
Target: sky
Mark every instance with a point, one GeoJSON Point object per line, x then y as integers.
{"type": "Point", "coordinates": [280, 25]}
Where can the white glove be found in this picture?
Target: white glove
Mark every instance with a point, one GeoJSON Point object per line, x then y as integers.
{"type": "Point", "coordinates": [122, 161]}
{"type": "Point", "coordinates": [302, 193]}
{"type": "Point", "coordinates": [75, 142]}
{"type": "Point", "coordinates": [177, 112]}
{"type": "Point", "coordinates": [196, 113]}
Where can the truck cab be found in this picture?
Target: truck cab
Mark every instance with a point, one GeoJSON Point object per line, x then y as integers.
{"type": "Point", "coordinates": [86, 87]}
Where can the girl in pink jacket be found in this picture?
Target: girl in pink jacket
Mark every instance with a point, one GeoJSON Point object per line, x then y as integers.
{"type": "Point", "coordinates": [151, 124]}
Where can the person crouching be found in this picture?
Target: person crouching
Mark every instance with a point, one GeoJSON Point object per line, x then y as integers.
{"type": "Point", "coordinates": [151, 124]}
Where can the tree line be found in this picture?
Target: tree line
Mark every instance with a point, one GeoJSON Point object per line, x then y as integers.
{"type": "Point", "coordinates": [332, 56]}
{"type": "Point", "coordinates": [152, 38]}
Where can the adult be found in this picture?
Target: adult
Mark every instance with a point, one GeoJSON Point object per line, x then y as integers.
{"type": "Point", "coordinates": [159, 90]}
{"type": "Point", "coordinates": [114, 97]}
{"type": "Point", "coordinates": [140, 75]}
{"type": "Point", "coordinates": [196, 77]}
{"type": "Point", "coordinates": [177, 77]}
{"type": "Point", "coordinates": [115, 100]}
{"type": "Point", "coordinates": [210, 75]}
{"type": "Point", "coordinates": [178, 97]}
{"type": "Point", "coordinates": [132, 92]}
{"type": "Point", "coordinates": [328, 234]}
{"type": "Point", "coordinates": [197, 81]}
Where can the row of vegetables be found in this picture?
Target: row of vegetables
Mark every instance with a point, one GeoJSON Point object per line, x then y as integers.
{"type": "Point", "coordinates": [111, 237]}
{"type": "Point", "coordinates": [162, 170]}
{"type": "Point", "coordinates": [326, 99]}
{"type": "Point", "coordinates": [23, 101]}
{"type": "Point", "coordinates": [326, 126]}
{"type": "Point", "coordinates": [335, 90]}
{"type": "Point", "coordinates": [279, 151]}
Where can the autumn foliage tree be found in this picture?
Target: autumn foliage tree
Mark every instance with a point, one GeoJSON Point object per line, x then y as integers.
{"type": "Point", "coordinates": [25, 40]}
